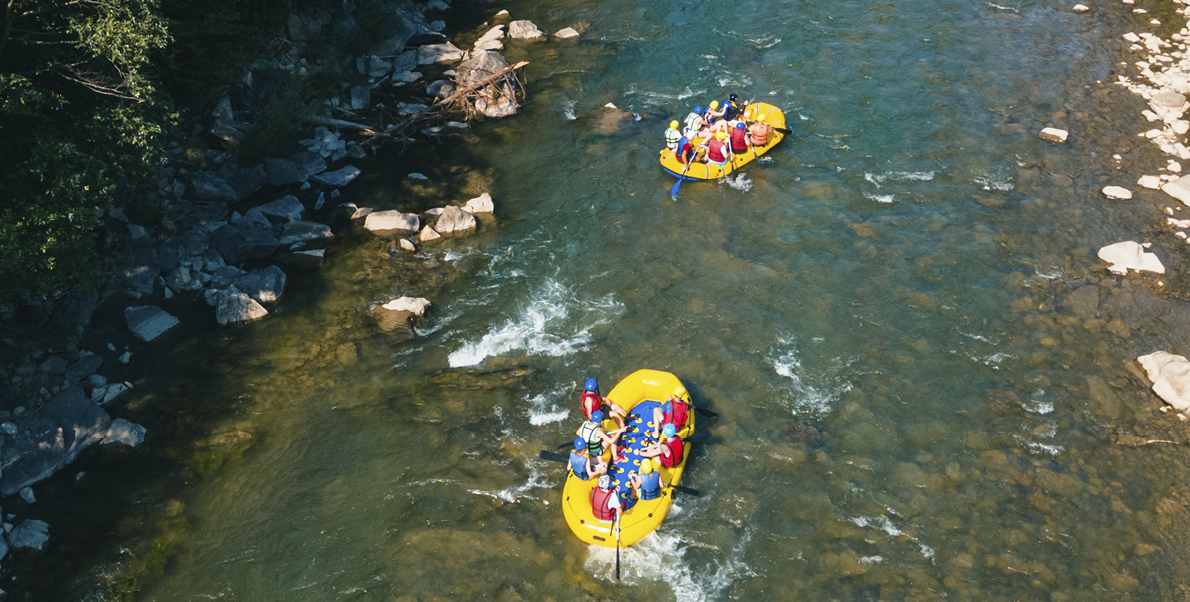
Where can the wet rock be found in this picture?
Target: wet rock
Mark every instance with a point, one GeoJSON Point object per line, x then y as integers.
{"type": "Point", "coordinates": [566, 33]}
{"type": "Point", "coordinates": [399, 323]}
{"type": "Point", "coordinates": [231, 243]}
{"type": "Point", "coordinates": [377, 67]}
{"type": "Point", "coordinates": [1170, 375]}
{"type": "Point", "coordinates": [281, 210]}
{"type": "Point", "coordinates": [489, 40]}
{"type": "Point", "coordinates": [361, 97]}
{"type": "Point", "coordinates": [428, 234]}
{"type": "Point", "coordinates": [454, 219]}
{"type": "Point", "coordinates": [438, 53]}
{"type": "Point", "coordinates": [1127, 255]}
{"type": "Point", "coordinates": [382, 221]}
{"type": "Point", "coordinates": [283, 172]}
{"type": "Point", "coordinates": [339, 178]}
{"type": "Point", "coordinates": [407, 77]}
{"type": "Point", "coordinates": [308, 259]}
{"type": "Point", "coordinates": [1083, 302]}
{"type": "Point", "coordinates": [125, 432]}
{"type": "Point", "coordinates": [225, 276]}
{"type": "Point", "coordinates": [235, 306]}
{"type": "Point", "coordinates": [524, 30]}
{"type": "Point", "coordinates": [1117, 192]}
{"type": "Point", "coordinates": [259, 239]}
{"type": "Point", "coordinates": [51, 438]}
{"type": "Point", "coordinates": [29, 534]}
{"type": "Point", "coordinates": [306, 233]}
{"type": "Point", "coordinates": [1150, 182]}
{"type": "Point", "coordinates": [407, 245]}
{"type": "Point", "coordinates": [27, 495]}
{"type": "Point", "coordinates": [441, 88]}
{"type": "Point", "coordinates": [1179, 189]}
{"type": "Point", "coordinates": [414, 305]}
{"type": "Point", "coordinates": [480, 204]}
{"type": "Point", "coordinates": [140, 279]}
{"type": "Point", "coordinates": [147, 322]}
{"type": "Point", "coordinates": [1102, 399]}
{"type": "Point", "coordinates": [1053, 135]}
{"type": "Point", "coordinates": [109, 393]}
{"type": "Point", "coordinates": [264, 285]}
{"type": "Point", "coordinates": [1168, 102]}
{"type": "Point", "coordinates": [311, 164]}
{"type": "Point", "coordinates": [243, 181]}
{"type": "Point", "coordinates": [54, 365]}
{"type": "Point", "coordinates": [210, 187]}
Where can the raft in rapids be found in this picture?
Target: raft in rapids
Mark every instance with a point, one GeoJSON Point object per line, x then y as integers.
{"type": "Point", "coordinates": [638, 394]}
{"type": "Point", "coordinates": [760, 111]}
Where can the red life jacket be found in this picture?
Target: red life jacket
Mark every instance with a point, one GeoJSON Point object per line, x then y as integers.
{"type": "Point", "coordinates": [676, 415]}
{"type": "Point", "coordinates": [591, 401]}
{"type": "Point", "coordinates": [599, 508]}
{"type": "Point", "coordinates": [739, 139]}
{"type": "Point", "coordinates": [675, 453]}
{"type": "Point", "coordinates": [716, 153]}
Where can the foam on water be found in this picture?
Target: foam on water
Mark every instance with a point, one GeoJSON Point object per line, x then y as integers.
{"type": "Point", "coordinates": [659, 557]}
{"type": "Point", "coordinates": [880, 198]}
{"type": "Point", "coordinates": [884, 524]}
{"type": "Point", "coordinates": [739, 181]}
{"type": "Point", "coordinates": [543, 407]}
{"type": "Point", "coordinates": [806, 397]}
{"type": "Point", "coordinates": [990, 184]}
{"type": "Point", "coordinates": [554, 322]}
{"type": "Point", "coordinates": [1037, 403]}
{"type": "Point", "coordinates": [568, 110]}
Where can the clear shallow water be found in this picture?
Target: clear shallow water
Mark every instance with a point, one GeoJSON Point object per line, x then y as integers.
{"type": "Point", "coordinates": [920, 372]}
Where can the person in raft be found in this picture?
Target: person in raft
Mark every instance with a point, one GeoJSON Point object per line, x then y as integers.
{"type": "Point", "coordinates": [758, 133]}
{"type": "Point", "coordinates": [647, 484]}
{"type": "Point", "coordinates": [592, 432]}
{"type": "Point", "coordinates": [605, 502]}
{"type": "Point", "coordinates": [715, 113]}
{"type": "Point", "coordinates": [731, 108]}
{"type": "Point", "coordinates": [591, 401]}
{"type": "Point", "coordinates": [718, 152]}
{"type": "Point", "coordinates": [695, 123]}
{"type": "Point", "coordinates": [582, 464]}
{"type": "Point", "coordinates": [739, 138]}
{"type": "Point", "coordinates": [669, 450]}
{"type": "Point", "coordinates": [674, 411]}
{"type": "Point", "coordinates": [673, 135]}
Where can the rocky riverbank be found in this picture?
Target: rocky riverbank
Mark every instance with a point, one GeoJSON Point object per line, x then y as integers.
{"type": "Point", "coordinates": [230, 236]}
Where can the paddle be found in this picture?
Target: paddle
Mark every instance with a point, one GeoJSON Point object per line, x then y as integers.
{"type": "Point", "coordinates": [706, 413]}
{"type": "Point", "coordinates": [685, 490]}
{"type": "Point", "coordinates": [673, 192]}
{"type": "Point", "coordinates": [617, 544]}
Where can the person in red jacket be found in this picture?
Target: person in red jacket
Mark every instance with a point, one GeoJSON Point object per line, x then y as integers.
{"type": "Point", "coordinates": [674, 411]}
{"type": "Point", "coordinates": [739, 138]}
{"type": "Point", "coordinates": [591, 401]}
{"type": "Point", "coordinates": [605, 502]}
{"type": "Point", "coordinates": [718, 152]}
{"type": "Point", "coordinates": [669, 451]}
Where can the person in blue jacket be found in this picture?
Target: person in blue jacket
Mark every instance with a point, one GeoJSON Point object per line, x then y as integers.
{"type": "Point", "coordinates": [583, 466]}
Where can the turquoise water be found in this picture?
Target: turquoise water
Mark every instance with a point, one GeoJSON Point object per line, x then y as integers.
{"type": "Point", "coordinates": [921, 372]}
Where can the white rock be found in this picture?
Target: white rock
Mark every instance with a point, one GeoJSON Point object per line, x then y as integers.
{"type": "Point", "coordinates": [122, 431]}
{"type": "Point", "coordinates": [566, 33]}
{"type": "Point", "coordinates": [1178, 189]}
{"type": "Point", "coordinates": [454, 219]}
{"type": "Point", "coordinates": [407, 245]}
{"type": "Point", "coordinates": [1150, 182]}
{"type": "Point", "coordinates": [1080, 8]}
{"type": "Point", "coordinates": [417, 176]}
{"type": "Point", "coordinates": [1127, 255]}
{"type": "Point", "coordinates": [438, 53]}
{"type": "Point", "coordinates": [480, 204]}
{"type": "Point", "coordinates": [524, 30]}
{"type": "Point", "coordinates": [112, 391]}
{"type": "Point", "coordinates": [1180, 126]}
{"type": "Point", "coordinates": [147, 322]}
{"type": "Point", "coordinates": [502, 13]}
{"type": "Point", "coordinates": [1132, 37]}
{"type": "Point", "coordinates": [1170, 375]}
{"type": "Point", "coordinates": [235, 306]}
{"type": "Point", "coordinates": [414, 305]}
{"type": "Point", "coordinates": [1117, 192]}
{"type": "Point", "coordinates": [1053, 135]}
{"type": "Point", "coordinates": [1178, 223]}
{"type": "Point", "coordinates": [361, 212]}
{"type": "Point", "coordinates": [428, 234]}
{"type": "Point", "coordinates": [407, 77]}
{"type": "Point", "coordinates": [380, 221]}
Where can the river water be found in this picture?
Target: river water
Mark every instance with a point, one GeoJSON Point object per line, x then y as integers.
{"type": "Point", "coordinates": [922, 373]}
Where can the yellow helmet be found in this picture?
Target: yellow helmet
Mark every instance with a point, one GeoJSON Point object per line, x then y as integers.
{"type": "Point", "coordinates": [646, 467]}
{"type": "Point", "coordinates": [720, 135]}
{"type": "Point", "coordinates": [673, 125]}
{"type": "Point", "coordinates": [714, 105]}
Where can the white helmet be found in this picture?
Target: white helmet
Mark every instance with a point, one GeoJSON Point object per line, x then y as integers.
{"type": "Point", "coordinates": [605, 482]}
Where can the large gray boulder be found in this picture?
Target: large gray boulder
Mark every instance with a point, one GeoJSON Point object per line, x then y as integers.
{"type": "Point", "coordinates": [84, 367]}
{"type": "Point", "coordinates": [210, 187]}
{"type": "Point", "coordinates": [231, 243]}
{"type": "Point", "coordinates": [454, 219]}
{"type": "Point", "coordinates": [260, 239]}
{"type": "Point", "coordinates": [283, 172]}
{"type": "Point", "coordinates": [243, 181]}
{"type": "Point", "coordinates": [384, 221]}
{"type": "Point", "coordinates": [438, 53]}
{"type": "Point", "coordinates": [264, 285]}
{"type": "Point", "coordinates": [308, 234]}
{"type": "Point", "coordinates": [281, 210]}
{"type": "Point", "coordinates": [309, 164]}
{"type": "Point", "coordinates": [147, 322]}
{"type": "Point", "coordinates": [235, 306]}
{"type": "Point", "coordinates": [29, 534]}
{"type": "Point", "coordinates": [338, 178]}
{"type": "Point", "coordinates": [51, 438]}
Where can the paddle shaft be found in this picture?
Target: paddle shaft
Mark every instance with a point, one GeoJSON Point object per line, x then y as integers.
{"type": "Point", "coordinates": [617, 544]}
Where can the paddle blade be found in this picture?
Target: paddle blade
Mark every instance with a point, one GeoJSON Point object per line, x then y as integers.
{"type": "Point", "coordinates": [706, 413]}
{"type": "Point", "coordinates": [553, 456]}
{"type": "Point", "coordinates": [785, 131]}
{"type": "Point", "coordinates": [673, 192]}
{"type": "Point", "coordinates": [686, 490]}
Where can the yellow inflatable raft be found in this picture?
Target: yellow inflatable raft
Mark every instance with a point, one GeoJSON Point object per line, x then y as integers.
{"type": "Point", "coordinates": [638, 394]}
{"type": "Point", "coordinates": [760, 111]}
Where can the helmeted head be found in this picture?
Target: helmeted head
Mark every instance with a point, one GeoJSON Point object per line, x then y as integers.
{"type": "Point", "coordinates": [592, 385]}
{"type": "Point", "coordinates": [720, 135]}
{"type": "Point", "coordinates": [739, 126]}
{"type": "Point", "coordinates": [698, 110]}
{"type": "Point", "coordinates": [605, 482]}
{"type": "Point", "coordinates": [731, 97]}
{"type": "Point", "coordinates": [646, 467]}
{"type": "Point", "coordinates": [580, 443]}
{"type": "Point", "coordinates": [714, 105]}
{"type": "Point", "coordinates": [597, 416]}
{"type": "Point", "coordinates": [673, 125]}
{"type": "Point", "coordinates": [669, 431]}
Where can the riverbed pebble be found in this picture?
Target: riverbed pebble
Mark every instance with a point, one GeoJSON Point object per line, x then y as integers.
{"type": "Point", "coordinates": [1170, 375]}
{"type": "Point", "coordinates": [1117, 192]}
{"type": "Point", "coordinates": [1080, 8]}
{"type": "Point", "coordinates": [1053, 135]}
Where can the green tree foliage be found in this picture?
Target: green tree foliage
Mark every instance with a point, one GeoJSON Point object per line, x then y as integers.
{"type": "Point", "coordinates": [79, 120]}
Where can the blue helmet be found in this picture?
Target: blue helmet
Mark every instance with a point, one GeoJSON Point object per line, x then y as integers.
{"type": "Point", "coordinates": [580, 443]}
{"type": "Point", "coordinates": [698, 110]}
{"type": "Point", "coordinates": [597, 416]}
{"type": "Point", "coordinates": [739, 126]}
{"type": "Point", "coordinates": [669, 430]}
{"type": "Point", "coordinates": [591, 385]}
